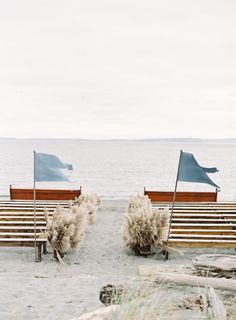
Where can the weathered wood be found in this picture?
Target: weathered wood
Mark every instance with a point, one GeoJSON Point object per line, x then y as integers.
{"type": "Point", "coordinates": [150, 271]}
{"type": "Point", "coordinates": [214, 307]}
{"type": "Point", "coordinates": [99, 314]}
{"type": "Point", "coordinates": [216, 265]}
{"type": "Point", "coordinates": [195, 281]}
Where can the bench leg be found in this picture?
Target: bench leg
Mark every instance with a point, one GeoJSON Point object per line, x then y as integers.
{"type": "Point", "coordinates": [45, 248]}
{"type": "Point", "coordinates": [39, 252]}
{"type": "Point", "coordinates": [165, 254]}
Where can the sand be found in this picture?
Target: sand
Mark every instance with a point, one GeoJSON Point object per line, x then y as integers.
{"type": "Point", "coordinates": [48, 290]}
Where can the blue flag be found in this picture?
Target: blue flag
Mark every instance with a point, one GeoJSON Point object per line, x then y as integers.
{"type": "Point", "coordinates": [191, 171]}
{"type": "Point", "coordinates": [47, 168]}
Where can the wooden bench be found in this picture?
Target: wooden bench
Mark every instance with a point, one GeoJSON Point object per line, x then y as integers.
{"type": "Point", "coordinates": [17, 226]}
{"type": "Point", "coordinates": [203, 225]}
{"type": "Point", "coordinates": [43, 194]}
{"type": "Point", "coordinates": [167, 196]}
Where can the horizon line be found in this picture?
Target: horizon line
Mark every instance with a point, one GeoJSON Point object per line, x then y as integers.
{"type": "Point", "coordinates": [122, 139]}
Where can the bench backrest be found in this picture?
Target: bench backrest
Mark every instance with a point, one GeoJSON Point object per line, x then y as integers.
{"type": "Point", "coordinates": [43, 194]}
{"type": "Point", "coordinates": [166, 196]}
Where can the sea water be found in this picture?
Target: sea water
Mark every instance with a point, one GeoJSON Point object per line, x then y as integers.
{"type": "Point", "coordinates": [118, 169]}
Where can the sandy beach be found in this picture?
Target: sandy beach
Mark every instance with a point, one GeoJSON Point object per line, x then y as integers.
{"type": "Point", "coordinates": [49, 290]}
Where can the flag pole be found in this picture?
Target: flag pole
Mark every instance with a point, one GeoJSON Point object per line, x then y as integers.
{"type": "Point", "coordinates": [35, 245]}
{"type": "Point", "coordinates": [173, 204]}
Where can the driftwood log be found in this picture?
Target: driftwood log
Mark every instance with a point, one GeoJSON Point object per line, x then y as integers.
{"type": "Point", "coordinates": [149, 271]}
{"type": "Point", "coordinates": [215, 265]}
{"type": "Point", "coordinates": [207, 302]}
{"type": "Point", "coordinates": [196, 281]}
{"type": "Point", "coordinates": [99, 314]}
{"type": "Point", "coordinates": [213, 306]}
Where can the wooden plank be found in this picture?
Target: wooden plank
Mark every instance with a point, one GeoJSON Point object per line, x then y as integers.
{"type": "Point", "coordinates": [166, 196]}
{"type": "Point", "coordinates": [19, 243]}
{"type": "Point", "coordinates": [206, 236]}
{"type": "Point", "coordinates": [204, 231]}
{"type": "Point", "coordinates": [22, 213]}
{"type": "Point", "coordinates": [198, 220]}
{"type": "Point", "coordinates": [43, 194]}
{"type": "Point", "coordinates": [27, 205]}
{"type": "Point", "coordinates": [195, 215]}
{"type": "Point", "coordinates": [23, 222]}
{"type": "Point", "coordinates": [205, 211]}
{"type": "Point", "coordinates": [195, 204]}
{"type": "Point", "coordinates": [21, 239]}
{"type": "Point", "coordinates": [12, 228]}
{"type": "Point", "coordinates": [25, 209]}
{"type": "Point", "coordinates": [18, 234]}
{"type": "Point", "coordinates": [203, 244]}
{"type": "Point", "coordinates": [205, 225]}
{"type": "Point", "coordinates": [23, 218]}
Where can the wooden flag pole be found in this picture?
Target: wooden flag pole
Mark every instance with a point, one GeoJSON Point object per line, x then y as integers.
{"type": "Point", "coordinates": [173, 204]}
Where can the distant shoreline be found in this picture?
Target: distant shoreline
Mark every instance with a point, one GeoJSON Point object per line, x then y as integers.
{"type": "Point", "coordinates": [166, 140]}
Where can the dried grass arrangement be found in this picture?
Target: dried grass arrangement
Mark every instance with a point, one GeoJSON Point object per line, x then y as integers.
{"type": "Point", "coordinates": [145, 229]}
{"type": "Point", "coordinates": [65, 229]}
{"type": "Point", "coordinates": [91, 202]}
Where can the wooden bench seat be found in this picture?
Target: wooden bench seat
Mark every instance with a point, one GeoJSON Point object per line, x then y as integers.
{"type": "Point", "coordinates": [181, 196]}
{"type": "Point", "coordinates": [43, 194]}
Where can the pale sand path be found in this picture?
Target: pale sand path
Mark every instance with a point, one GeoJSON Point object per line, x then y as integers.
{"type": "Point", "coordinates": [48, 290]}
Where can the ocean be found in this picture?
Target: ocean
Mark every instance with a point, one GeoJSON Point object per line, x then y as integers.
{"type": "Point", "coordinates": [118, 169]}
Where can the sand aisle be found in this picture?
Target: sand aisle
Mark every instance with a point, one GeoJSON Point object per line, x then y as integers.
{"type": "Point", "coordinates": [48, 290]}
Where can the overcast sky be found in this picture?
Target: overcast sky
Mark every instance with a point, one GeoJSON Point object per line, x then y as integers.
{"type": "Point", "coordinates": [118, 68]}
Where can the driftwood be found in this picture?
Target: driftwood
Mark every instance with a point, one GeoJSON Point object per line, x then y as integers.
{"type": "Point", "coordinates": [148, 271]}
{"type": "Point", "coordinates": [213, 306]}
{"type": "Point", "coordinates": [99, 314]}
{"type": "Point", "coordinates": [195, 281]}
{"type": "Point", "coordinates": [216, 265]}
{"type": "Point", "coordinates": [207, 302]}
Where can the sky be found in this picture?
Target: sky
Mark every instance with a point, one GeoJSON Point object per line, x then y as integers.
{"type": "Point", "coordinates": [117, 69]}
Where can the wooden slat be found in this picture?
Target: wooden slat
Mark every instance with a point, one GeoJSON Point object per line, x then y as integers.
{"type": "Point", "coordinates": [22, 218]}
{"type": "Point", "coordinates": [12, 228]}
{"type": "Point", "coordinates": [206, 236]}
{"type": "Point", "coordinates": [29, 208]}
{"type": "Point", "coordinates": [204, 215]}
{"type": "Point", "coordinates": [199, 224]}
{"type": "Point", "coordinates": [207, 244]}
{"type": "Point", "coordinates": [23, 222]}
{"type": "Point", "coordinates": [18, 234]}
{"type": "Point", "coordinates": [200, 219]}
{"type": "Point", "coordinates": [23, 213]}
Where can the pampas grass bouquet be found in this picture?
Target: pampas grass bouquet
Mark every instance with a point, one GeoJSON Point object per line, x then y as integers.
{"type": "Point", "coordinates": [66, 226]}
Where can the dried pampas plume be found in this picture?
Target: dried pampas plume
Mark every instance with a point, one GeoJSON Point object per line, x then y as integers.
{"type": "Point", "coordinates": [91, 202]}
{"type": "Point", "coordinates": [145, 228]}
{"type": "Point", "coordinates": [65, 229]}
